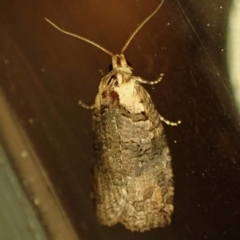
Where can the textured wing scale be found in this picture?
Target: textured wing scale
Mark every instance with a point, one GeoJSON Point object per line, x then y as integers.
{"type": "Point", "coordinates": [133, 178]}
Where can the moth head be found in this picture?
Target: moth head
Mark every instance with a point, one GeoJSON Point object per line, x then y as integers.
{"type": "Point", "coordinates": [119, 62]}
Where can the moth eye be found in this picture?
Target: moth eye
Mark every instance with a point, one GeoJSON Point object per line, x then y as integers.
{"type": "Point", "coordinates": [110, 68]}
{"type": "Point", "coordinates": [129, 64]}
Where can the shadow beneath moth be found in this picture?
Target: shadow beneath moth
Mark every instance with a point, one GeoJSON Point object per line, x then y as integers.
{"type": "Point", "coordinates": [132, 173]}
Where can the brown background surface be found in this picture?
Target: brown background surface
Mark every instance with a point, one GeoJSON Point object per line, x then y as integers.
{"type": "Point", "coordinates": [44, 73]}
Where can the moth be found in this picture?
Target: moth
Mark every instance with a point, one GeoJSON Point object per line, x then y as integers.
{"type": "Point", "coordinates": [132, 173]}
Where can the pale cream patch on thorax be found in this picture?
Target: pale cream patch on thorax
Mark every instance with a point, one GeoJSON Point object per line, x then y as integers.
{"type": "Point", "coordinates": [129, 98]}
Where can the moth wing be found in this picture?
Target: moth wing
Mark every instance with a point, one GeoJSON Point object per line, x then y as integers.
{"type": "Point", "coordinates": [146, 166]}
{"type": "Point", "coordinates": [109, 198]}
{"type": "Point", "coordinates": [108, 180]}
{"type": "Point", "coordinates": [133, 173]}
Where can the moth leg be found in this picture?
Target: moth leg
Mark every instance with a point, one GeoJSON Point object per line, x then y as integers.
{"type": "Point", "coordinates": [82, 104]}
{"type": "Point", "coordinates": [150, 82]}
{"type": "Point", "coordinates": [168, 122]}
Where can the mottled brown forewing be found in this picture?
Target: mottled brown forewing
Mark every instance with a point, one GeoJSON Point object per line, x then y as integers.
{"type": "Point", "coordinates": [133, 180]}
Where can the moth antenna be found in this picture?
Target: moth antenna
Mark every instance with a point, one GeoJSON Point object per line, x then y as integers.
{"type": "Point", "coordinates": [140, 26]}
{"type": "Point", "coordinates": [81, 38]}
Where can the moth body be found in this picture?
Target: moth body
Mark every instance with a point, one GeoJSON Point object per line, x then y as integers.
{"type": "Point", "coordinates": [132, 172]}
{"type": "Point", "coordinates": [133, 180]}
